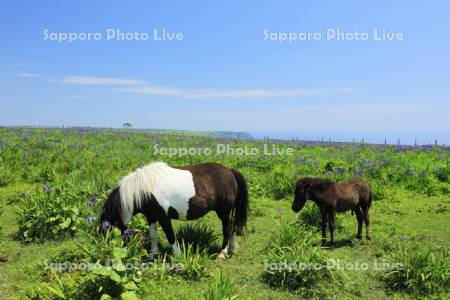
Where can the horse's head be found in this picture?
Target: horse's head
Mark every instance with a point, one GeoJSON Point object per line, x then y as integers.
{"type": "Point", "coordinates": [301, 194]}
{"type": "Point", "coordinates": [111, 215]}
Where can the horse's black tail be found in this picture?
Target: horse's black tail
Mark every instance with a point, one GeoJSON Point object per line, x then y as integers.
{"type": "Point", "coordinates": [240, 209]}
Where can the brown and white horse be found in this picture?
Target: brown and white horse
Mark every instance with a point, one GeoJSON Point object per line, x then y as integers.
{"type": "Point", "coordinates": [163, 193]}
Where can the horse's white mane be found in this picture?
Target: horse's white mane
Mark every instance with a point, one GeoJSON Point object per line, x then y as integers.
{"type": "Point", "coordinates": [170, 186]}
{"type": "Point", "coordinates": [138, 184]}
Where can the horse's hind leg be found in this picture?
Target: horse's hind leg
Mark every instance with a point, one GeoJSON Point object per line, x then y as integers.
{"type": "Point", "coordinates": [226, 230]}
{"type": "Point", "coordinates": [166, 225]}
{"type": "Point", "coordinates": [359, 218]}
{"type": "Point", "coordinates": [365, 210]}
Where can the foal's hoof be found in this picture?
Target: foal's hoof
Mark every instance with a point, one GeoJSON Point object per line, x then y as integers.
{"type": "Point", "coordinates": [359, 237]}
{"type": "Point", "coordinates": [332, 244]}
{"type": "Point", "coordinates": [368, 237]}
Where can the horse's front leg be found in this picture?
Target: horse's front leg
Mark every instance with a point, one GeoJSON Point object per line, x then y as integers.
{"type": "Point", "coordinates": [365, 212]}
{"type": "Point", "coordinates": [166, 225]}
{"type": "Point", "coordinates": [153, 233]}
{"type": "Point", "coordinates": [324, 226]}
{"type": "Point", "coordinates": [331, 216]}
{"type": "Point", "coordinates": [154, 239]}
{"type": "Point", "coordinates": [359, 218]}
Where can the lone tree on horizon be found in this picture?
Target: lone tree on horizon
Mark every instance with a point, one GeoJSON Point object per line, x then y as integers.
{"type": "Point", "coordinates": [127, 125]}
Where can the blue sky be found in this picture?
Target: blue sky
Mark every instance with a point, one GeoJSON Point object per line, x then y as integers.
{"type": "Point", "coordinates": [224, 75]}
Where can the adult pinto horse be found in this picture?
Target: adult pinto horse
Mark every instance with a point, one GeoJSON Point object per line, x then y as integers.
{"type": "Point", "coordinates": [162, 193]}
{"type": "Point", "coordinates": [330, 196]}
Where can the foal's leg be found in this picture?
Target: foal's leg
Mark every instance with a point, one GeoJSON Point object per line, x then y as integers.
{"type": "Point", "coordinates": [365, 211]}
{"type": "Point", "coordinates": [226, 230]}
{"type": "Point", "coordinates": [324, 214]}
{"type": "Point", "coordinates": [331, 225]}
{"type": "Point", "coordinates": [166, 225]}
{"type": "Point", "coordinates": [359, 218]}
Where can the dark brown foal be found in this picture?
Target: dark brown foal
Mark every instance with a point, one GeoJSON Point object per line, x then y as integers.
{"type": "Point", "coordinates": [331, 197]}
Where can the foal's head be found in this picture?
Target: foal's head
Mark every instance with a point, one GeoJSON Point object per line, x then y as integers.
{"type": "Point", "coordinates": [306, 188]}
{"type": "Point", "coordinates": [301, 194]}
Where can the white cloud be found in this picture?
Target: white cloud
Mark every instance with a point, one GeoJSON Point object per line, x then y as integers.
{"type": "Point", "coordinates": [87, 80]}
{"type": "Point", "coordinates": [139, 87]}
{"type": "Point", "coordinates": [24, 74]}
{"type": "Point", "coordinates": [238, 93]}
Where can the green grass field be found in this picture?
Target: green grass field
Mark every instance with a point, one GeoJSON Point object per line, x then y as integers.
{"type": "Point", "coordinates": [47, 176]}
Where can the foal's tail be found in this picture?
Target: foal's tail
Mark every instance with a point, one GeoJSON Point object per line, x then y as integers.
{"type": "Point", "coordinates": [240, 209]}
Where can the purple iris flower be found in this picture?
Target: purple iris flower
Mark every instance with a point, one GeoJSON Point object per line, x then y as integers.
{"type": "Point", "coordinates": [47, 189]}
{"type": "Point", "coordinates": [128, 231]}
{"type": "Point", "coordinates": [106, 224]}
{"type": "Point", "coordinates": [91, 218]}
{"type": "Point", "coordinates": [91, 201]}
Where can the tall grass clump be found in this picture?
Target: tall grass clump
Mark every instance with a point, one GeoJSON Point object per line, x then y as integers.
{"type": "Point", "coordinates": [102, 267]}
{"type": "Point", "coordinates": [278, 185]}
{"type": "Point", "coordinates": [310, 217]}
{"type": "Point", "coordinates": [51, 213]}
{"type": "Point", "coordinates": [198, 235]}
{"type": "Point", "coordinates": [1, 211]}
{"type": "Point", "coordinates": [294, 262]}
{"type": "Point", "coordinates": [193, 262]}
{"type": "Point", "coordinates": [421, 270]}
{"type": "Point", "coordinates": [221, 288]}
{"type": "Point", "coordinates": [7, 177]}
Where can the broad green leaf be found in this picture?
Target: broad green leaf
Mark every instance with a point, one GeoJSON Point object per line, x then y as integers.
{"type": "Point", "coordinates": [66, 223]}
{"type": "Point", "coordinates": [131, 286]}
{"type": "Point", "coordinates": [119, 253]}
{"type": "Point", "coordinates": [128, 295]}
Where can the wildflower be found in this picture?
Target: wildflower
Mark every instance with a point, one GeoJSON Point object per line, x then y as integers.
{"type": "Point", "coordinates": [128, 231]}
{"type": "Point", "coordinates": [106, 224]}
{"type": "Point", "coordinates": [91, 201]}
{"type": "Point", "coordinates": [47, 188]}
{"type": "Point", "coordinates": [91, 218]}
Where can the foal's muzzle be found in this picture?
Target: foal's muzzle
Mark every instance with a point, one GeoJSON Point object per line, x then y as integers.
{"type": "Point", "coordinates": [296, 207]}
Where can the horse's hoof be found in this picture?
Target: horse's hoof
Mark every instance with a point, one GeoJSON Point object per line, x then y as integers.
{"type": "Point", "coordinates": [332, 244]}
{"type": "Point", "coordinates": [221, 256]}
{"type": "Point", "coordinates": [323, 242]}
{"type": "Point", "coordinates": [368, 237]}
{"type": "Point", "coordinates": [154, 255]}
{"type": "Point", "coordinates": [233, 250]}
{"type": "Point", "coordinates": [359, 237]}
